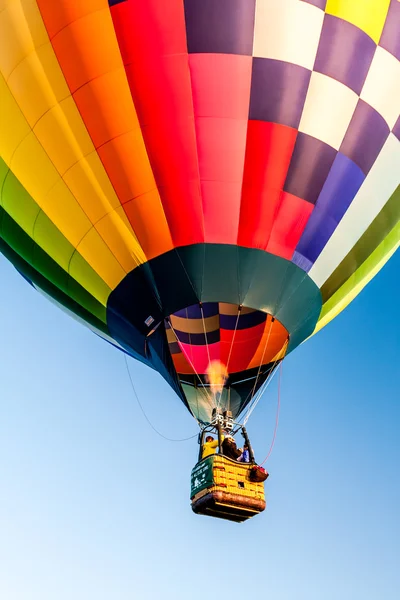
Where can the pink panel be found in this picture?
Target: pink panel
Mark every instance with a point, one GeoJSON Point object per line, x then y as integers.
{"type": "Point", "coordinates": [221, 92]}
{"type": "Point", "coordinates": [221, 85]}
{"type": "Point", "coordinates": [198, 355]}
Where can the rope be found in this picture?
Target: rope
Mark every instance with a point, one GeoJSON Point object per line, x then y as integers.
{"type": "Point", "coordinates": [146, 417]}
{"type": "Point", "coordinates": [264, 386]}
{"type": "Point", "coordinates": [259, 394]}
{"type": "Point", "coordinates": [233, 338]}
{"type": "Point", "coordinates": [262, 358]}
{"type": "Point", "coordinates": [276, 418]}
{"type": "Point", "coordinates": [212, 396]}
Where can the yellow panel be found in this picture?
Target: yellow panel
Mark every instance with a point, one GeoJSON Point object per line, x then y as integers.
{"type": "Point", "coordinates": [62, 133]}
{"type": "Point", "coordinates": [65, 212]}
{"type": "Point", "coordinates": [21, 30]}
{"type": "Point", "coordinates": [37, 83]}
{"type": "Point", "coordinates": [88, 181]}
{"type": "Point", "coordinates": [80, 271]}
{"type": "Point", "coordinates": [31, 165]}
{"type": "Point", "coordinates": [13, 126]}
{"type": "Point", "coordinates": [94, 250]}
{"type": "Point", "coordinates": [368, 15]}
{"type": "Point", "coordinates": [63, 145]}
{"type": "Point", "coordinates": [115, 229]}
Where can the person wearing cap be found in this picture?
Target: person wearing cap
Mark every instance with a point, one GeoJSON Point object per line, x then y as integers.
{"type": "Point", "coordinates": [229, 448]}
{"type": "Point", "coordinates": [210, 446]}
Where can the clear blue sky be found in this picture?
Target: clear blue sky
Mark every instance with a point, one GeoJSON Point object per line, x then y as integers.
{"type": "Point", "coordinates": [94, 505]}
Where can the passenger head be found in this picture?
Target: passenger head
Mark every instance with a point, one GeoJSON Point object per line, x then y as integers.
{"type": "Point", "coordinates": [209, 438]}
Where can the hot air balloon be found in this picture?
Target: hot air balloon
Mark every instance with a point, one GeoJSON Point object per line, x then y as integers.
{"type": "Point", "coordinates": [203, 183]}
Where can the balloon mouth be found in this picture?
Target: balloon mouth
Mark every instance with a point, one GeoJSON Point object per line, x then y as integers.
{"type": "Point", "coordinates": [215, 340]}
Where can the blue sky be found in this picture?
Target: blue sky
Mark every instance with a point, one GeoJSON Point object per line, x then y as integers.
{"type": "Point", "coordinates": [94, 505]}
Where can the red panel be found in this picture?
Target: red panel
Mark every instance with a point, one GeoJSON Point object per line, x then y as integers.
{"type": "Point", "coordinates": [152, 39]}
{"type": "Point", "coordinates": [245, 345]}
{"type": "Point", "coordinates": [268, 154]}
{"type": "Point", "coordinates": [290, 221]}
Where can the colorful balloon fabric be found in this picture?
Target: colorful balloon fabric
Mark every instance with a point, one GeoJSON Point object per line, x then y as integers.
{"type": "Point", "coordinates": [200, 180]}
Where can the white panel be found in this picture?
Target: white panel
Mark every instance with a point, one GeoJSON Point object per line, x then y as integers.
{"type": "Point", "coordinates": [287, 30]}
{"type": "Point", "coordinates": [382, 86]}
{"type": "Point", "coordinates": [377, 188]}
{"type": "Point", "coordinates": [328, 109]}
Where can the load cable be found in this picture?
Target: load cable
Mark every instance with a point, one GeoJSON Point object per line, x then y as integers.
{"type": "Point", "coordinates": [276, 417]}
{"type": "Point", "coordinates": [145, 415]}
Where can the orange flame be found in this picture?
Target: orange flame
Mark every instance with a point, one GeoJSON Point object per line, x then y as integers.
{"type": "Point", "coordinates": [216, 376]}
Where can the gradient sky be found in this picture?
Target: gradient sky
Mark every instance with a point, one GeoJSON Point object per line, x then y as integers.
{"type": "Point", "coordinates": [94, 505]}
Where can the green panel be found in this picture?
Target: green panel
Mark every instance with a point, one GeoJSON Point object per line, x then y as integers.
{"type": "Point", "coordinates": [3, 174]}
{"type": "Point", "coordinates": [381, 226]}
{"type": "Point", "coordinates": [359, 279]}
{"type": "Point", "coordinates": [16, 238]}
{"type": "Point", "coordinates": [18, 204]}
{"type": "Point", "coordinates": [43, 283]}
{"type": "Point", "coordinates": [218, 273]}
{"type": "Point", "coordinates": [30, 253]}
{"type": "Point", "coordinates": [28, 216]}
{"type": "Point", "coordinates": [202, 476]}
{"type": "Point", "coordinates": [221, 275]}
{"type": "Point", "coordinates": [48, 237]}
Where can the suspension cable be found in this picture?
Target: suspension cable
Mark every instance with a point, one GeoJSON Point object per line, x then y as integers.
{"type": "Point", "coordinates": [233, 338]}
{"type": "Point", "coordinates": [145, 415]}
{"type": "Point", "coordinates": [212, 396]}
{"type": "Point", "coordinates": [276, 418]}
{"type": "Point", "coordinates": [262, 358]}
{"type": "Point", "coordinates": [266, 383]}
{"type": "Point", "coordinates": [259, 394]}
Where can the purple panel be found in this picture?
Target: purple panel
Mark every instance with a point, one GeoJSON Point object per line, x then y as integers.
{"type": "Point", "coordinates": [198, 339]}
{"type": "Point", "coordinates": [220, 26]}
{"type": "Point", "coordinates": [309, 167]}
{"type": "Point", "coordinates": [245, 321]}
{"type": "Point", "coordinates": [210, 309]}
{"type": "Point", "coordinates": [396, 129]}
{"type": "Point", "coordinates": [344, 53]}
{"type": "Point", "coordinates": [341, 186]}
{"type": "Point", "coordinates": [319, 3]}
{"type": "Point", "coordinates": [365, 136]}
{"type": "Point", "coordinates": [174, 348]}
{"type": "Point", "coordinates": [301, 261]}
{"type": "Point", "coordinates": [318, 234]}
{"type": "Point", "coordinates": [278, 91]}
{"type": "Point", "coordinates": [390, 38]}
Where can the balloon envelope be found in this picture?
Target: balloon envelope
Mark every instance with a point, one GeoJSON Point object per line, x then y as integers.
{"type": "Point", "coordinates": [200, 180]}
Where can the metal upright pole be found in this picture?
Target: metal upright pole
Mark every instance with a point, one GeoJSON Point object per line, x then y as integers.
{"type": "Point", "coordinates": [219, 437]}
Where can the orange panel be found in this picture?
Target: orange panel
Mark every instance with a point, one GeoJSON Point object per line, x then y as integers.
{"type": "Point", "coordinates": [181, 364]}
{"type": "Point", "coordinates": [277, 338]}
{"type": "Point", "coordinates": [148, 220]}
{"type": "Point", "coordinates": [60, 13]}
{"type": "Point", "coordinates": [97, 104]}
{"type": "Point", "coordinates": [84, 41]}
{"type": "Point", "coordinates": [126, 162]}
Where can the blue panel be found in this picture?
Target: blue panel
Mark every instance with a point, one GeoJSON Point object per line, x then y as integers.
{"type": "Point", "coordinates": [341, 186]}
